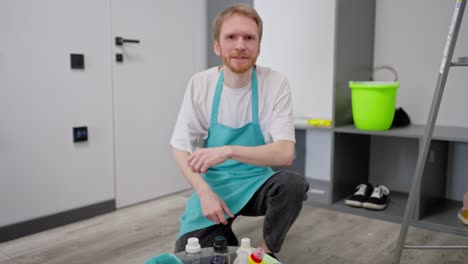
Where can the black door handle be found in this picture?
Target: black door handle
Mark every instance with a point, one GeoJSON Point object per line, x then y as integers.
{"type": "Point", "coordinates": [119, 41]}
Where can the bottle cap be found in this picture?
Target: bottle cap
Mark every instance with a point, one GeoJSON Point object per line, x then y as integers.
{"type": "Point", "coordinates": [245, 243]}
{"type": "Point", "coordinates": [220, 244]}
{"type": "Point", "coordinates": [257, 255]}
{"type": "Point", "coordinates": [192, 245]}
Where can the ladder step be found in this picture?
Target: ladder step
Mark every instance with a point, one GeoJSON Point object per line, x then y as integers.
{"type": "Point", "coordinates": [463, 60]}
{"type": "Point", "coordinates": [435, 247]}
{"type": "Point", "coordinates": [455, 64]}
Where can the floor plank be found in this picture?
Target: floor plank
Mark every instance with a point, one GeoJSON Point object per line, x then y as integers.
{"type": "Point", "coordinates": [134, 234]}
{"type": "Point", "coordinates": [4, 259]}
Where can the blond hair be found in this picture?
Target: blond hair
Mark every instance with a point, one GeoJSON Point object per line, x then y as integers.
{"type": "Point", "coordinates": [242, 9]}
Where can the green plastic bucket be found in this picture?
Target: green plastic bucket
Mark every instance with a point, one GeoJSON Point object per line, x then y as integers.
{"type": "Point", "coordinates": [373, 104]}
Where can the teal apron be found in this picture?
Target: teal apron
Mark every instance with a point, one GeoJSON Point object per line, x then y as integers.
{"type": "Point", "coordinates": [233, 181]}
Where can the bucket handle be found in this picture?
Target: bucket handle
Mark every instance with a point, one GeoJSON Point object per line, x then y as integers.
{"type": "Point", "coordinates": [385, 67]}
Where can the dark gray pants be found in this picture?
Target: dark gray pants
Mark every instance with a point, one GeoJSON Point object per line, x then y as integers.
{"type": "Point", "coordinates": [279, 199]}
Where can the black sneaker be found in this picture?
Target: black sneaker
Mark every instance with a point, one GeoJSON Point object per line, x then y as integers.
{"type": "Point", "coordinates": [362, 193]}
{"type": "Point", "coordinates": [378, 199]}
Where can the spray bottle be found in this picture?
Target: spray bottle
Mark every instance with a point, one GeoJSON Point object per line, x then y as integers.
{"type": "Point", "coordinates": [267, 259]}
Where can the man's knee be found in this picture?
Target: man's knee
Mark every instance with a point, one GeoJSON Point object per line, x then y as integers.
{"type": "Point", "coordinates": [294, 184]}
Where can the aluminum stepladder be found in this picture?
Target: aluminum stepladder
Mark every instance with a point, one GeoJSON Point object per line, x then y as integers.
{"type": "Point", "coordinates": [423, 151]}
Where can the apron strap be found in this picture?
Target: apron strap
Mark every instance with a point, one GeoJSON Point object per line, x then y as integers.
{"type": "Point", "coordinates": [254, 96]}
{"type": "Point", "coordinates": [217, 98]}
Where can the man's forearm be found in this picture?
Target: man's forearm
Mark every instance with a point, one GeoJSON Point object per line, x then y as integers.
{"type": "Point", "coordinates": [279, 153]}
{"type": "Point", "coordinates": [195, 179]}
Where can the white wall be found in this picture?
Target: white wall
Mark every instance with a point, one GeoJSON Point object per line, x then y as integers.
{"type": "Point", "coordinates": [42, 171]}
{"type": "Point", "coordinates": [41, 99]}
{"type": "Point", "coordinates": [3, 28]}
{"type": "Point", "coordinates": [411, 36]}
{"type": "Point", "coordinates": [298, 40]}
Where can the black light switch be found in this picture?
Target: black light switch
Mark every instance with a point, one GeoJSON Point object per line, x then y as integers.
{"type": "Point", "coordinates": [77, 61]}
{"type": "Point", "coordinates": [80, 134]}
{"type": "Point", "coordinates": [119, 57]}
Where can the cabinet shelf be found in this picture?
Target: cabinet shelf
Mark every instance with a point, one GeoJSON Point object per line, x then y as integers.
{"type": "Point", "coordinates": [305, 127]}
{"type": "Point", "coordinates": [412, 131]}
{"type": "Point", "coordinates": [444, 218]}
{"type": "Point", "coordinates": [394, 211]}
{"type": "Point", "coordinates": [388, 157]}
{"type": "Point", "coordinates": [447, 133]}
{"type": "Point", "coordinates": [338, 159]}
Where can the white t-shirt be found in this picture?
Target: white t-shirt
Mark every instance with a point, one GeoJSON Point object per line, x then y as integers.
{"type": "Point", "coordinates": [235, 108]}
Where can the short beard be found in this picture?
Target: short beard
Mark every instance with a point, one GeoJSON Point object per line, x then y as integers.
{"type": "Point", "coordinates": [238, 70]}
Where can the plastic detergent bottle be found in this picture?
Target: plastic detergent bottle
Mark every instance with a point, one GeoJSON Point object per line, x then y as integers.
{"type": "Point", "coordinates": [267, 259]}
{"type": "Point", "coordinates": [257, 256]}
{"type": "Point", "coordinates": [193, 251]}
{"type": "Point", "coordinates": [220, 251]}
{"type": "Point", "coordinates": [243, 252]}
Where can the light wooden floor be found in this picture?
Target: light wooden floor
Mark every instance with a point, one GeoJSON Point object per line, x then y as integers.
{"type": "Point", "coordinates": [134, 234]}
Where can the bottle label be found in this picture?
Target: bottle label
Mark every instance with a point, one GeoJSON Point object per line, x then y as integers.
{"type": "Point", "coordinates": [192, 259]}
{"type": "Point", "coordinates": [220, 259]}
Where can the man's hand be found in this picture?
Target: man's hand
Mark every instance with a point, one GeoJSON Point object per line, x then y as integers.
{"type": "Point", "coordinates": [213, 207]}
{"type": "Point", "coordinates": [204, 158]}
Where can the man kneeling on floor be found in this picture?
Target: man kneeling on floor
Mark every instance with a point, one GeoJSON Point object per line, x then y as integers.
{"type": "Point", "coordinates": [235, 122]}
